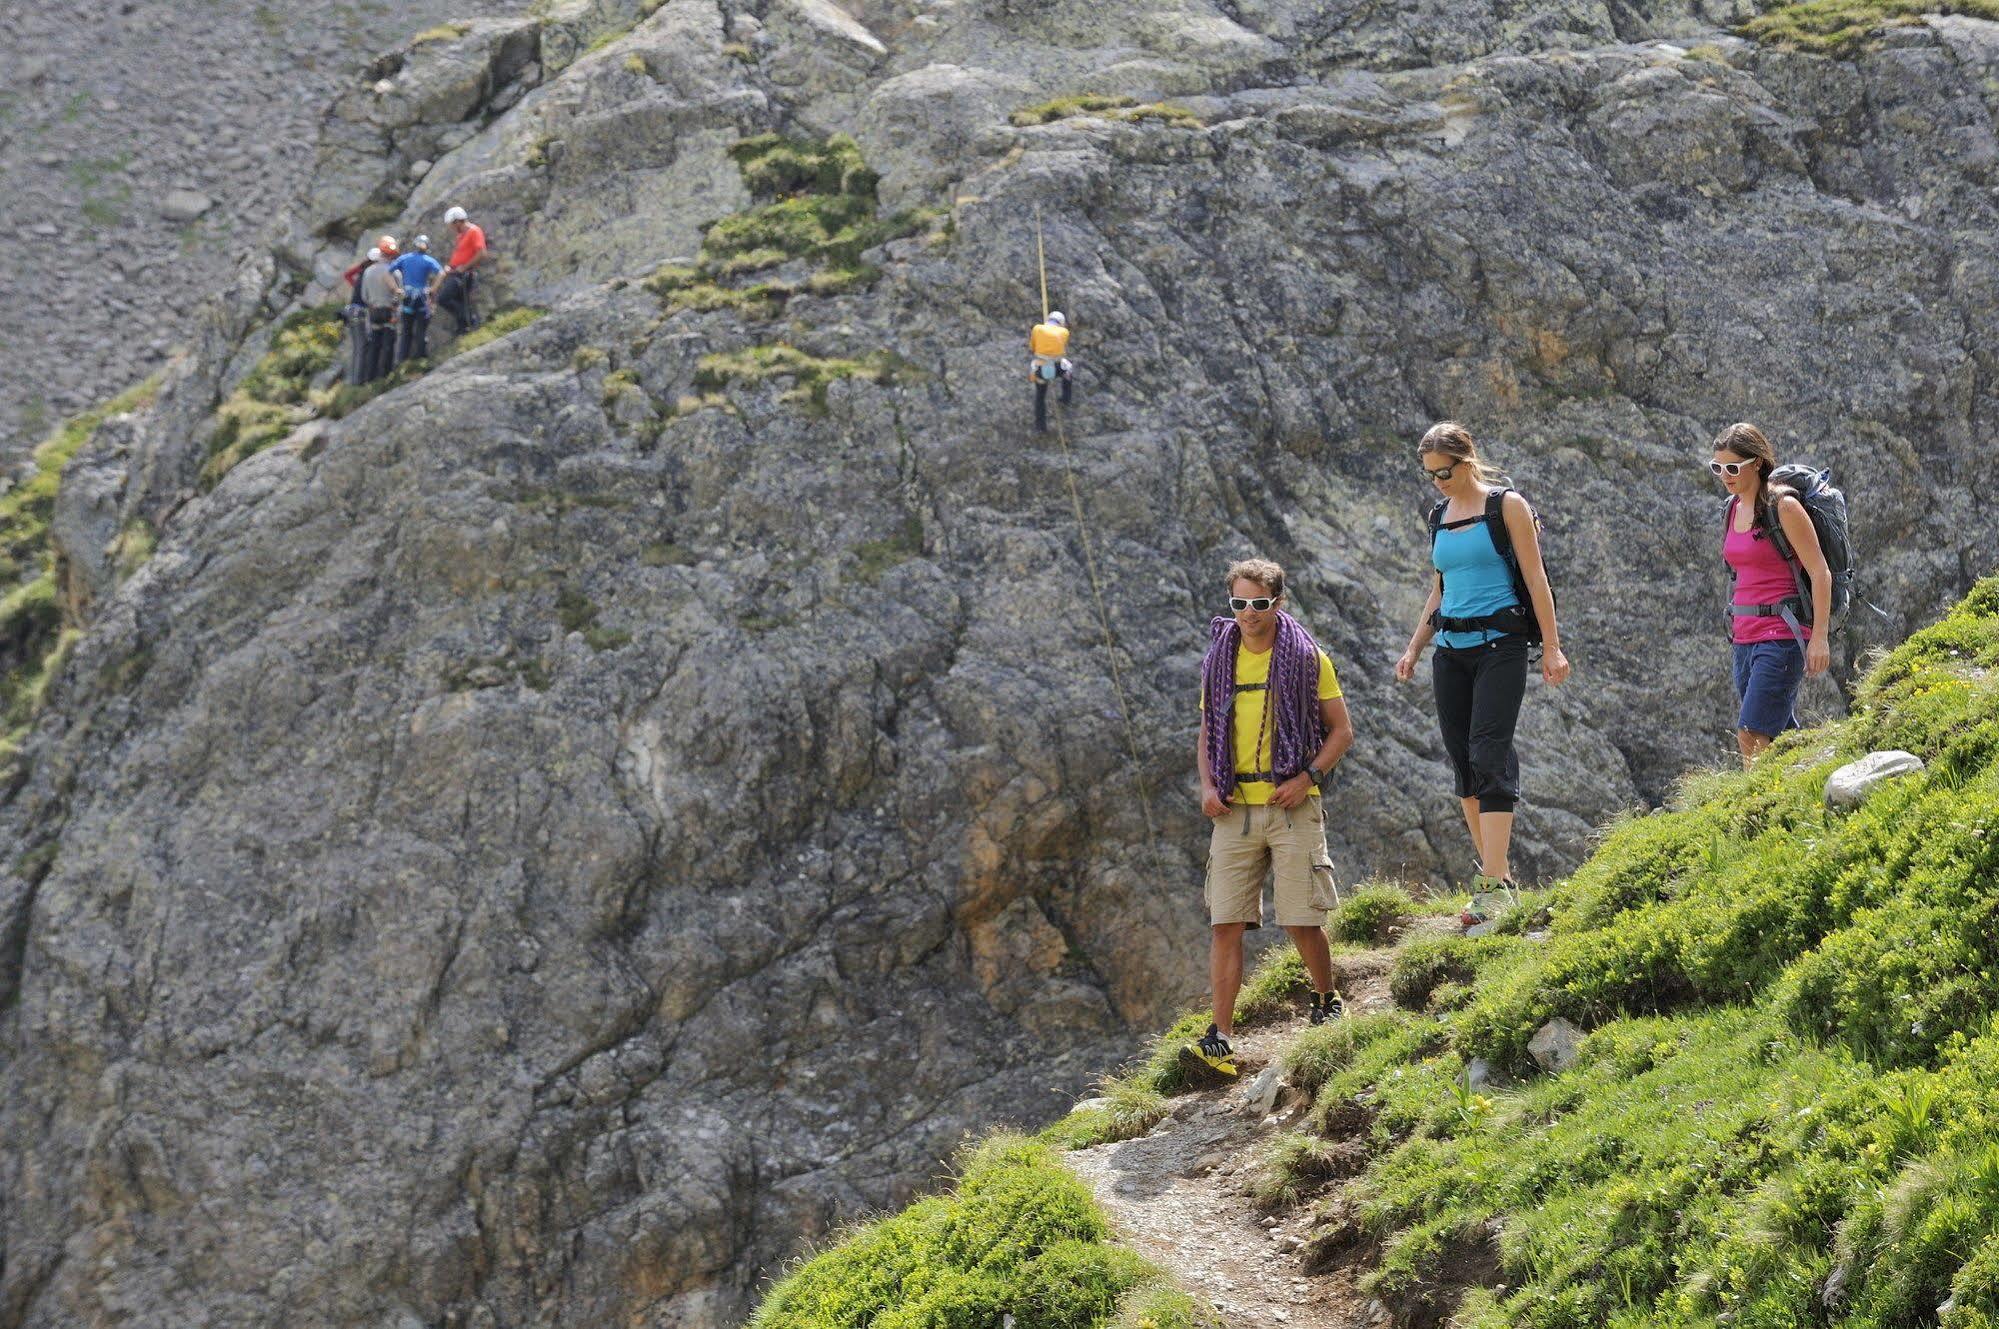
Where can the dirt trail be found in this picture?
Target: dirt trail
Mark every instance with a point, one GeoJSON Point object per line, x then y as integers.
{"type": "Point", "coordinates": [1178, 1194]}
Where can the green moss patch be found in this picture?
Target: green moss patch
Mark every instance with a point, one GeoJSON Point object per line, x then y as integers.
{"type": "Point", "coordinates": [811, 375]}
{"type": "Point", "coordinates": [32, 637]}
{"type": "Point", "coordinates": [1125, 109]}
{"type": "Point", "coordinates": [1843, 27]}
{"type": "Point", "coordinates": [815, 206]}
{"type": "Point", "coordinates": [274, 397]}
{"type": "Point", "coordinates": [1061, 108]}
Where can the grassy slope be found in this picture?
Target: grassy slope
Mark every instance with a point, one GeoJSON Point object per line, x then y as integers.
{"type": "Point", "coordinates": [1784, 1113]}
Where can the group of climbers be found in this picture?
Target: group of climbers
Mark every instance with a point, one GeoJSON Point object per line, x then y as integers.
{"type": "Point", "coordinates": [393, 294]}
{"type": "Point", "coordinates": [1274, 725]}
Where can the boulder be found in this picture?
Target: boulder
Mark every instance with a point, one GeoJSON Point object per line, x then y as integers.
{"type": "Point", "coordinates": [1848, 787]}
{"type": "Point", "coordinates": [184, 205]}
{"type": "Point", "coordinates": [1555, 1045]}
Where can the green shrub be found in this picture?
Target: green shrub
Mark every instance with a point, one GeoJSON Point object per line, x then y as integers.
{"type": "Point", "coordinates": [1018, 1235]}
{"type": "Point", "coordinates": [1371, 915]}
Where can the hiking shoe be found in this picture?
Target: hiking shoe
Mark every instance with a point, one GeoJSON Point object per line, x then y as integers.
{"type": "Point", "coordinates": [1489, 895]}
{"type": "Point", "coordinates": [1213, 1050]}
{"type": "Point", "coordinates": [1326, 1006]}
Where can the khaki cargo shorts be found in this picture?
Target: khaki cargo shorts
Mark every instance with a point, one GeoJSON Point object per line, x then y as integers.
{"type": "Point", "coordinates": [1249, 842]}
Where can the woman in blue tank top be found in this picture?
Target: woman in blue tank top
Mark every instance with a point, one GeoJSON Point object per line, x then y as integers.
{"type": "Point", "coordinates": [1485, 619]}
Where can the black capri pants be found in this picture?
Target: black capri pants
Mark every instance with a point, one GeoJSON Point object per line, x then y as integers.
{"type": "Point", "coordinates": [1479, 691]}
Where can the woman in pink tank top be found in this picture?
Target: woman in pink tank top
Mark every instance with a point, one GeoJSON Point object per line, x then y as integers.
{"type": "Point", "coordinates": [1770, 662]}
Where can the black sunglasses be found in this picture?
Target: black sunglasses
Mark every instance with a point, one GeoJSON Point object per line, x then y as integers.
{"type": "Point", "coordinates": [1443, 472]}
{"type": "Point", "coordinates": [1260, 603]}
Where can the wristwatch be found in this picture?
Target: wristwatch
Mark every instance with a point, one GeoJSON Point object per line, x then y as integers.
{"type": "Point", "coordinates": [1319, 777]}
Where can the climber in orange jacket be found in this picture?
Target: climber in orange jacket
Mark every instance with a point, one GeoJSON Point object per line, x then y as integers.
{"type": "Point", "coordinates": [1047, 343]}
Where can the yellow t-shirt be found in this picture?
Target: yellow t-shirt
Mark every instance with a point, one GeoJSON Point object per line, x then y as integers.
{"type": "Point", "coordinates": [1252, 716]}
{"type": "Point", "coordinates": [1049, 340]}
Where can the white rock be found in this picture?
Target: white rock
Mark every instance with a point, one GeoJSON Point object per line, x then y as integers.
{"type": "Point", "coordinates": [1849, 786]}
{"type": "Point", "coordinates": [184, 205]}
{"type": "Point", "coordinates": [1555, 1044]}
{"type": "Point", "coordinates": [1261, 1095]}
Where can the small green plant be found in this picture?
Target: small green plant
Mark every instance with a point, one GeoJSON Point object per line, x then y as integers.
{"type": "Point", "coordinates": [1371, 915]}
{"type": "Point", "coordinates": [636, 64]}
{"type": "Point", "coordinates": [1128, 1109]}
{"type": "Point", "coordinates": [1291, 1167]}
{"type": "Point", "coordinates": [443, 32]}
{"type": "Point", "coordinates": [1277, 987]}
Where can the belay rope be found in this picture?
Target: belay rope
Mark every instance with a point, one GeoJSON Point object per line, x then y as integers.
{"type": "Point", "coordinates": [1090, 561]}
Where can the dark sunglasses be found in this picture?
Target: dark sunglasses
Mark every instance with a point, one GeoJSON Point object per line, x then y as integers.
{"type": "Point", "coordinates": [1260, 603]}
{"type": "Point", "coordinates": [1729, 467]}
{"type": "Point", "coordinates": [1443, 472]}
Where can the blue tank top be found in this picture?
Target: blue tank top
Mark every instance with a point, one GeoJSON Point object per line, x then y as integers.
{"type": "Point", "coordinates": [1476, 580]}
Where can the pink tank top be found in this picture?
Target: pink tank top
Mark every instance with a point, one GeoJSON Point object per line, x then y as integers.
{"type": "Point", "coordinates": [1762, 577]}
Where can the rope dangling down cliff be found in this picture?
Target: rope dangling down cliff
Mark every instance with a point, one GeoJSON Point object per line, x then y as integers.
{"type": "Point", "coordinates": [1090, 562]}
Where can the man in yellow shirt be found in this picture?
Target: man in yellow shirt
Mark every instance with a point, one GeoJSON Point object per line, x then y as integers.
{"type": "Point", "coordinates": [1273, 726]}
{"type": "Point", "coordinates": [1049, 345]}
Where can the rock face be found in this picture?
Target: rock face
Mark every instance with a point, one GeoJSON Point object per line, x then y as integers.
{"type": "Point", "coordinates": [536, 849]}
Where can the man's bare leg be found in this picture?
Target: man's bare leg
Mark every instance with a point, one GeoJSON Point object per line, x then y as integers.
{"type": "Point", "coordinates": [1316, 953]}
{"type": "Point", "coordinates": [1225, 973]}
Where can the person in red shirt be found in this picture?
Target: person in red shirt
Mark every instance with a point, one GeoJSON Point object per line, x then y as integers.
{"type": "Point", "coordinates": [454, 296]}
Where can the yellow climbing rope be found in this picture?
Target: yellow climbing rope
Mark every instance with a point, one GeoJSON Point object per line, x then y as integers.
{"type": "Point", "coordinates": [1090, 563]}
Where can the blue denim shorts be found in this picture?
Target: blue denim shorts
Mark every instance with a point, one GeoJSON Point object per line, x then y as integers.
{"type": "Point", "coordinates": [1767, 677]}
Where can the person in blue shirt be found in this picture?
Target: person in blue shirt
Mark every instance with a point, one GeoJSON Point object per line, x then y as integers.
{"type": "Point", "coordinates": [416, 275]}
{"type": "Point", "coordinates": [1489, 605]}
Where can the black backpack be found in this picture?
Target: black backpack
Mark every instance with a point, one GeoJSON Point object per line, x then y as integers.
{"type": "Point", "coordinates": [1518, 618]}
{"type": "Point", "coordinates": [1826, 506]}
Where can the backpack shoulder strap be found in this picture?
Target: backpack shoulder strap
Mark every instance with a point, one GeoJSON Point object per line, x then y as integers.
{"type": "Point", "coordinates": [1437, 518]}
{"type": "Point", "coordinates": [1495, 520]}
{"type": "Point", "coordinates": [1773, 525]}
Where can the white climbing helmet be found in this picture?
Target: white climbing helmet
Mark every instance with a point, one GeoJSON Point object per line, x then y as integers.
{"type": "Point", "coordinates": [1057, 319]}
{"type": "Point", "coordinates": [374, 256]}
{"type": "Point", "coordinates": [454, 214]}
